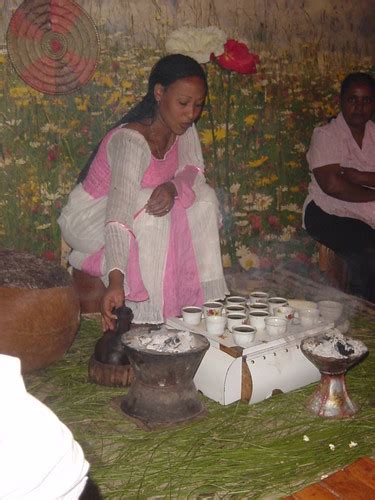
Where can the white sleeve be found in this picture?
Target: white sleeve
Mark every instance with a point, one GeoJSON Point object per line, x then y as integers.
{"type": "Point", "coordinates": [39, 458]}
{"type": "Point", "coordinates": [128, 159]}
{"type": "Point", "coordinates": [325, 148]}
{"type": "Point", "coordinates": [189, 149]}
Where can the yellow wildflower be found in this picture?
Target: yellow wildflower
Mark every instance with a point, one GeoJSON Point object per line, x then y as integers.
{"type": "Point", "coordinates": [294, 189]}
{"type": "Point", "coordinates": [74, 123]}
{"type": "Point", "coordinates": [2, 58]}
{"type": "Point", "coordinates": [258, 163]}
{"type": "Point", "coordinates": [268, 137]}
{"type": "Point", "coordinates": [250, 120]}
{"type": "Point", "coordinates": [114, 97]}
{"type": "Point", "coordinates": [206, 135]}
{"type": "Point", "coordinates": [294, 164]}
{"type": "Point", "coordinates": [82, 104]}
{"type": "Point", "coordinates": [291, 218]}
{"type": "Point", "coordinates": [127, 99]}
{"type": "Point", "coordinates": [125, 84]}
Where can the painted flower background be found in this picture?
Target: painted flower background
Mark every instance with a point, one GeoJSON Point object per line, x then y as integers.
{"type": "Point", "coordinates": [46, 140]}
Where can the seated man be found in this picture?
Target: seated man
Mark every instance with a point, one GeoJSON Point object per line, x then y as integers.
{"type": "Point", "coordinates": [39, 458]}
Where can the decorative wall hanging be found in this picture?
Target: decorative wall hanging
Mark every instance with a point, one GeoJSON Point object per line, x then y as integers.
{"type": "Point", "coordinates": [53, 45]}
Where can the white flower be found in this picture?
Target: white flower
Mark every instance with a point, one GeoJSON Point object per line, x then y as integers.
{"type": "Point", "coordinates": [306, 438]}
{"type": "Point", "coordinates": [323, 476]}
{"type": "Point", "coordinates": [247, 258]}
{"type": "Point", "coordinates": [234, 188]}
{"type": "Point", "coordinates": [332, 446]}
{"type": "Point", "coordinates": [198, 43]}
{"type": "Point", "coordinates": [261, 202]}
{"type": "Point", "coordinates": [353, 444]}
{"type": "Point", "coordinates": [291, 207]}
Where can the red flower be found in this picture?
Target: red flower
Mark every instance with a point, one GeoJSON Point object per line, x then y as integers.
{"type": "Point", "coordinates": [236, 57]}
{"type": "Point", "coordinates": [53, 152]}
{"type": "Point", "coordinates": [48, 255]}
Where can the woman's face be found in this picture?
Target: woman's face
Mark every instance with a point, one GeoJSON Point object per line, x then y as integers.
{"type": "Point", "coordinates": [358, 105]}
{"type": "Point", "coordinates": [181, 103]}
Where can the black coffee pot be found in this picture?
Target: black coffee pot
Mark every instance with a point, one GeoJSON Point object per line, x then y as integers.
{"type": "Point", "coordinates": [109, 349]}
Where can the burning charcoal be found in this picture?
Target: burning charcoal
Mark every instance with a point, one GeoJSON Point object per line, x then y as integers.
{"type": "Point", "coordinates": [344, 349]}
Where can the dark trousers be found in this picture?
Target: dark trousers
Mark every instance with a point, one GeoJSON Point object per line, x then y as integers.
{"type": "Point", "coordinates": [350, 238]}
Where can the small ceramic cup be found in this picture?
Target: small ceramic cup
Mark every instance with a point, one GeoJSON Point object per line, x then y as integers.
{"type": "Point", "coordinates": [235, 308]}
{"type": "Point", "coordinates": [275, 302]}
{"type": "Point", "coordinates": [330, 310]}
{"type": "Point", "coordinates": [275, 326]}
{"type": "Point", "coordinates": [308, 317]}
{"type": "Point", "coordinates": [257, 319]}
{"type": "Point", "coordinates": [258, 306]}
{"type": "Point", "coordinates": [212, 308]}
{"type": "Point", "coordinates": [215, 325]}
{"type": "Point", "coordinates": [235, 319]}
{"type": "Point", "coordinates": [236, 300]}
{"type": "Point", "coordinates": [258, 297]}
{"type": "Point", "coordinates": [286, 312]}
{"type": "Point", "coordinates": [243, 335]}
{"type": "Point", "coordinates": [191, 315]}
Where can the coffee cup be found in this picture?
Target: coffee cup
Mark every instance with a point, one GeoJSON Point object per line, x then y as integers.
{"type": "Point", "coordinates": [235, 308]}
{"type": "Point", "coordinates": [243, 335]}
{"type": "Point", "coordinates": [308, 317]}
{"type": "Point", "coordinates": [275, 325]}
{"type": "Point", "coordinates": [235, 319]}
{"type": "Point", "coordinates": [258, 306]}
{"type": "Point", "coordinates": [191, 315]}
{"type": "Point", "coordinates": [257, 319]}
{"type": "Point", "coordinates": [286, 312]}
{"type": "Point", "coordinates": [215, 324]}
{"type": "Point", "coordinates": [275, 302]}
{"type": "Point", "coordinates": [235, 300]}
{"type": "Point", "coordinates": [258, 297]}
{"type": "Point", "coordinates": [212, 308]}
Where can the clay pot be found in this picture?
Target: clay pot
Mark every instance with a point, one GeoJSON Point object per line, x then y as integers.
{"type": "Point", "coordinates": [38, 325]}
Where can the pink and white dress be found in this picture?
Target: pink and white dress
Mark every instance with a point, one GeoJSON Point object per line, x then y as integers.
{"type": "Point", "coordinates": [169, 261]}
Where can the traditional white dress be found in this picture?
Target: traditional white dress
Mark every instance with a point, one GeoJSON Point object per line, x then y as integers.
{"type": "Point", "coordinates": [107, 228]}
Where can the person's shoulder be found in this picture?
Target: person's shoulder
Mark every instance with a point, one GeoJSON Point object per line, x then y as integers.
{"type": "Point", "coordinates": [129, 133]}
{"type": "Point", "coordinates": [330, 131]}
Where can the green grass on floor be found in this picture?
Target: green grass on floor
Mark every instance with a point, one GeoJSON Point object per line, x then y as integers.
{"type": "Point", "coordinates": [239, 451]}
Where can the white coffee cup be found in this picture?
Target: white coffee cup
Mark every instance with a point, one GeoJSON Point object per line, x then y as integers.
{"type": "Point", "coordinates": [235, 319]}
{"type": "Point", "coordinates": [258, 297]}
{"type": "Point", "coordinates": [256, 319]}
{"type": "Point", "coordinates": [308, 317]}
{"type": "Point", "coordinates": [258, 306]}
{"type": "Point", "coordinates": [191, 315]}
{"type": "Point", "coordinates": [286, 312]}
{"type": "Point", "coordinates": [212, 308]}
{"type": "Point", "coordinates": [235, 300]}
{"type": "Point", "coordinates": [243, 335]}
{"type": "Point", "coordinates": [215, 325]}
{"type": "Point", "coordinates": [235, 308]}
{"type": "Point", "coordinates": [275, 325]}
{"type": "Point", "coordinates": [275, 302]}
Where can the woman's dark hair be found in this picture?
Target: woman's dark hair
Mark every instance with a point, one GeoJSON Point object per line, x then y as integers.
{"type": "Point", "coordinates": [166, 71]}
{"type": "Point", "coordinates": [354, 78]}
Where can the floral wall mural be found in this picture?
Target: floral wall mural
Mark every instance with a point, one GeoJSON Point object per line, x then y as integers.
{"type": "Point", "coordinates": [255, 129]}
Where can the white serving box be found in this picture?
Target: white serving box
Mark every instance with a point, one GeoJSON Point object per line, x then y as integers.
{"type": "Point", "coordinates": [229, 373]}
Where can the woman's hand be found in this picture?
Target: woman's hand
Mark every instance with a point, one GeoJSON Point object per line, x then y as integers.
{"type": "Point", "coordinates": [113, 297]}
{"type": "Point", "coordinates": [161, 200]}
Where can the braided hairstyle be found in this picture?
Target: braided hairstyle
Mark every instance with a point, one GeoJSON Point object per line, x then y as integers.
{"type": "Point", "coordinates": [166, 71]}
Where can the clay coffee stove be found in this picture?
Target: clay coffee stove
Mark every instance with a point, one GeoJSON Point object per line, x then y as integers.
{"type": "Point", "coordinates": [333, 354]}
{"type": "Point", "coordinates": [164, 363]}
